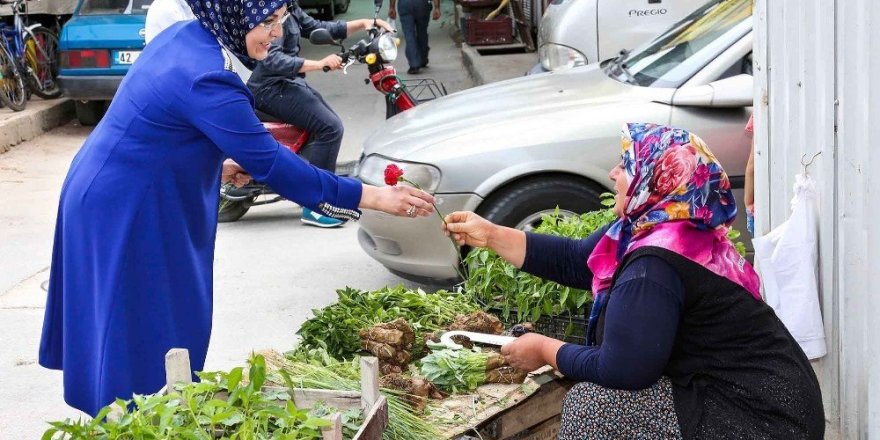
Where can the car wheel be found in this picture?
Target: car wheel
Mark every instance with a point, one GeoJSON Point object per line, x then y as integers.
{"type": "Point", "coordinates": [89, 113]}
{"type": "Point", "coordinates": [343, 8]}
{"type": "Point", "coordinates": [522, 204]}
{"type": "Point", "coordinates": [329, 11]}
{"type": "Point", "coordinates": [231, 211]}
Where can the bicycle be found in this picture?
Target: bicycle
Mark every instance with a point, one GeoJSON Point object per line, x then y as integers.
{"type": "Point", "coordinates": [33, 50]}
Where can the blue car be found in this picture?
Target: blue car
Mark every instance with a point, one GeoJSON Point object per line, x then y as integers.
{"type": "Point", "coordinates": [98, 45]}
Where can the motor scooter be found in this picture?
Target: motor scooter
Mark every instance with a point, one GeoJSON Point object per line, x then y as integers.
{"type": "Point", "coordinates": [377, 51]}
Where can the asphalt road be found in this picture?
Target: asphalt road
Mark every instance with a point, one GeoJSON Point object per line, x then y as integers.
{"type": "Point", "coordinates": [269, 271]}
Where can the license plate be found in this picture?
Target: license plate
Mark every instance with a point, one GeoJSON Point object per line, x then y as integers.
{"type": "Point", "coordinates": [127, 56]}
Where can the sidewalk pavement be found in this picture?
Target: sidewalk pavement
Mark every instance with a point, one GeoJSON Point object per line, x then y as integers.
{"type": "Point", "coordinates": [37, 118]}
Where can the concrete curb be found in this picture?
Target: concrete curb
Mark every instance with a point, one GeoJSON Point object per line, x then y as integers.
{"type": "Point", "coordinates": [469, 57]}
{"type": "Point", "coordinates": [30, 123]}
{"type": "Point", "coordinates": [485, 69]}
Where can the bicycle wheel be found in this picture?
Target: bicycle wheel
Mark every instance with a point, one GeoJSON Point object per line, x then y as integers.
{"type": "Point", "coordinates": [12, 91]}
{"type": "Point", "coordinates": [41, 56]}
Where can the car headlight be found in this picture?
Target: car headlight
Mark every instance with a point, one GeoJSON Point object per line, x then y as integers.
{"type": "Point", "coordinates": [372, 171]}
{"type": "Point", "coordinates": [387, 48]}
{"type": "Point", "coordinates": [556, 56]}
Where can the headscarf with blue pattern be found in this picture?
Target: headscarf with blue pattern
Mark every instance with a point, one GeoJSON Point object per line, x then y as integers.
{"type": "Point", "coordinates": [230, 21]}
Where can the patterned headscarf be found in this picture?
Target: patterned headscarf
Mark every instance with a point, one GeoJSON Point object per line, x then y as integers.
{"type": "Point", "coordinates": [230, 20]}
{"type": "Point", "coordinates": [678, 199]}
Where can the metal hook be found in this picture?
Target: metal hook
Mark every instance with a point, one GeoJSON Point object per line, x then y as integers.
{"type": "Point", "coordinates": [806, 165]}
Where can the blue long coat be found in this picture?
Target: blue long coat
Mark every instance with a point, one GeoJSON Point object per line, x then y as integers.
{"type": "Point", "coordinates": [132, 262]}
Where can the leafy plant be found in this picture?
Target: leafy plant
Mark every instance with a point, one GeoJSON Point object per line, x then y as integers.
{"type": "Point", "coordinates": [335, 328]}
{"type": "Point", "coordinates": [499, 285]}
{"type": "Point", "coordinates": [316, 369]}
{"type": "Point", "coordinates": [221, 405]}
{"type": "Point", "coordinates": [455, 370]}
{"type": "Point", "coordinates": [733, 235]}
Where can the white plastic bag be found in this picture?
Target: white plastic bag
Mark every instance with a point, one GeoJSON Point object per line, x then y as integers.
{"type": "Point", "coordinates": [787, 259]}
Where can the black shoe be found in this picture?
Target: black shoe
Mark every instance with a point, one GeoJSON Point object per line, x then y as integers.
{"type": "Point", "coordinates": [425, 64]}
{"type": "Point", "coordinates": [413, 71]}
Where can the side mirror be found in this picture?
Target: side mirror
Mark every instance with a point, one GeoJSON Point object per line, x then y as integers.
{"type": "Point", "coordinates": [321, 37]}
{"type": "Point", "coordinates": [736, 91]}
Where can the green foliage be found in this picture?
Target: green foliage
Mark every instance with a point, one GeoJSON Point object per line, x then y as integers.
{"type": "Point", "coordinates": [316, 369]}
{"type": "Point", "coordinates": [524, 297]}
{"type": "Point", "coordinates": [733, 235]}
{"type": "Point", "coordinates": [499, 285]}
{"type": "Point", "coordinates": [454, 371]}
{"type": "Point", "coordinates": [335, 328]}
{"type": "Point", "coordinates": [222, 405]}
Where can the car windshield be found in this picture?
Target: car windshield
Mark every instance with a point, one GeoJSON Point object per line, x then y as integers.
{"type": "Point", "coordinates": [105, 7]}
{"type": "Point", "coordinates": [679, 53]}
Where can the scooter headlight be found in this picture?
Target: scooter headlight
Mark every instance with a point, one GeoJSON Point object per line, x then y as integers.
{"type": "Point", "coordinates": [387, 48]}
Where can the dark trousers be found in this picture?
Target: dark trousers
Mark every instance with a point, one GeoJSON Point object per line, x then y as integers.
{"type": "Point", "coordinates": [297, 103]}
{"type": "Point", "coordinates": [415, 15]}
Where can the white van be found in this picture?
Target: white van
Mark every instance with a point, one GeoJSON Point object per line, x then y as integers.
{"type": "Point", "coordinates": [578, 32]}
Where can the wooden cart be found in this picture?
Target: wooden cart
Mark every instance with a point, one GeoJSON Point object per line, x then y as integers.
{"type": "Point", "coordinates": [373, 404]}
{"type": "Point", "coordinates": [530, 410]}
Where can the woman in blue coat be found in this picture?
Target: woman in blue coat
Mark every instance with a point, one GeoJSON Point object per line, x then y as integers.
{"type": "Point", "coordinates": [134, 242]}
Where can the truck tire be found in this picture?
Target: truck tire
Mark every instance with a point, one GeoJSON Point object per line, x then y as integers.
{"type": "Point", "coordinates": [521, 204]}
{"type": "Point", "coordinates": [89, 113]}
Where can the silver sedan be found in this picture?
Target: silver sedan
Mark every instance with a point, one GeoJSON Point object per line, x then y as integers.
{"type": "Point", "coordinates": [514, 150]}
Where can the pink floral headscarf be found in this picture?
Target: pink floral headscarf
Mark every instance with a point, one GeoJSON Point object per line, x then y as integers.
{"type": "Point", "coordinates": [678, 199]}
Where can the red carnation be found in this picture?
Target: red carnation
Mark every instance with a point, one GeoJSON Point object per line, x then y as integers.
{"type": "Point", "coordinates": [393, 173]}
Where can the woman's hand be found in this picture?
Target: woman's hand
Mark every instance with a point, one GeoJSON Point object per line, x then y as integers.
{"type": "Point", "coordinates": [531, 351]}
{"type": "Point", "coordinates": [234, 173]}
{"type": "Point", "coordinates": [467, 228]}
{"type": "Point", "coordinates": [398, 200]}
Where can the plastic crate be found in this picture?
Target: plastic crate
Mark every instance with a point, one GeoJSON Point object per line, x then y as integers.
{"type": "Point", "coordinates": [470, 4]}
{"type": "Point", "coordinates": [498, 30]}
{"type": "Point", "coordinates": [555, 327]}
{"type": "Point", "coordinates": [551, 326]}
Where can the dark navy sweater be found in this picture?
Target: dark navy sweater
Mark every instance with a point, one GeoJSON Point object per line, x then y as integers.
{"type": "Point", "coordinates": [641, 318]}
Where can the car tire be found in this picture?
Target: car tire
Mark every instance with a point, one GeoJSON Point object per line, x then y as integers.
{"type": "Point", "coordinates": [342, 9]}
{"type": "Point", "coordinates": [89, 113]}
{"type": "Point", "coordinates": [329, 11]}
{"type": "Point", "coordinates": [521, 204]}
{"type": "Point", "coordinates": [232, 211]}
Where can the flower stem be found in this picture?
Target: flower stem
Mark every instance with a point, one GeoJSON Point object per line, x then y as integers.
{"type": "Point", "coordinates": [456, 266]}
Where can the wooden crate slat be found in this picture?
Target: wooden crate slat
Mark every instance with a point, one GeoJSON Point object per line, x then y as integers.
{"type": "Point", "coordinates": [548, 430]}
{"type": "Point", "coordinates": [177, 368]}
{"type": "Point", "coordinates": [375, 421]}
{"type": "Point", "coordinates": [369, 382]}
{"type": "Point", "coordinates": [334, 431]}
{"type": "Point", "coordinates": [543, 405]}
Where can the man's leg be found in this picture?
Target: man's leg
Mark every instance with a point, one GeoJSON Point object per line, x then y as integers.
{"type": "Point", "coordinates": [424, 19]}
{"type": "Point", "coordinates": [299, 104]}
{"type": "Point", "coordinates": [410, 33]}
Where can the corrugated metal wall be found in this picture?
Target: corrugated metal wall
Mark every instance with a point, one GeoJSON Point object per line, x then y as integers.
{"type": "Point", "coordinates": [817, 72]}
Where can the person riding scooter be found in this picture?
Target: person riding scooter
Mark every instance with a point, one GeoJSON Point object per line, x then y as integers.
{"type": "Point", "coordinates": [279, 88]}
